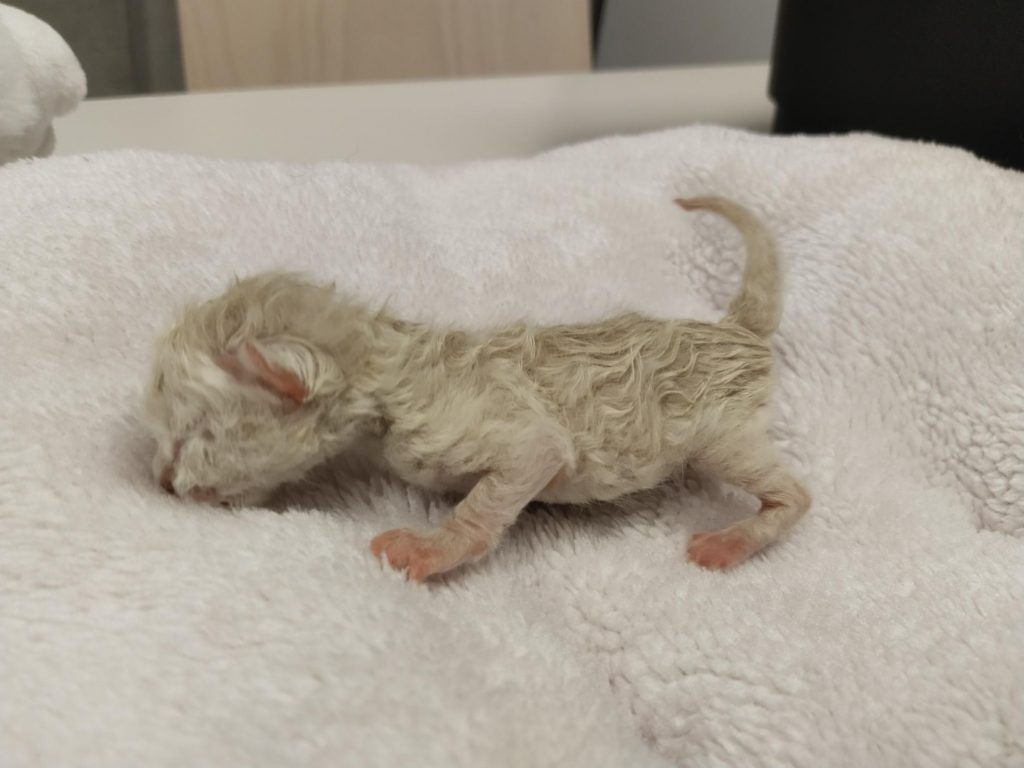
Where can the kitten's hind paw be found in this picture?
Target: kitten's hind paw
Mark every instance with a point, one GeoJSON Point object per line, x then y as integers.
{"type": "Point", "coordinates": [718, 550]}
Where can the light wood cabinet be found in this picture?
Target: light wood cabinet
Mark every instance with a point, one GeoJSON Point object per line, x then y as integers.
{"type": "Point", "coordinates": [258, 43]}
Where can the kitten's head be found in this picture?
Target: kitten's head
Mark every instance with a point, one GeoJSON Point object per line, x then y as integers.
{"type": "Point", "coordinates": [241, 398]}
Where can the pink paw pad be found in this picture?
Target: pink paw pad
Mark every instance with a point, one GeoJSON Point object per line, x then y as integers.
{"type": "Point", "coordinates": [422, 555]}
{"type": "Point", "coordinates": [717, 550]}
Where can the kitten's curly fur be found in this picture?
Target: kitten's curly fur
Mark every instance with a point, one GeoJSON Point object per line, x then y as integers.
{"type": "Point", "coordinates": [254, 388]}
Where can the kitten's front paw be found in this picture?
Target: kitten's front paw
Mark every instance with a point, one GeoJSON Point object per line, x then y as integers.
{"type": "Point", "coordinates": [717, 550]}
{"type": "Point", "coordinates": [423, 555]}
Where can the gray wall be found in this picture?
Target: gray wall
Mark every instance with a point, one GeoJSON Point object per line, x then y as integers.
{"type": "Point", "coordinates": [655, 33]}
{"type": "Point", "coordinates": [124, 46]}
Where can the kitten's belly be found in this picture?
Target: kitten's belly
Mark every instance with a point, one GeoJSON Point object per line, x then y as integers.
{"type": "Point", "coordinates": [436, 480]}
{"type": "Point", "coordinates": [422, 473]}
{"type": "Point", "coordinates": [563, 488]}
{"type": "Point", "coordinates": [580, 488]}
{"type": "Point", "coordinates": [593, 479]}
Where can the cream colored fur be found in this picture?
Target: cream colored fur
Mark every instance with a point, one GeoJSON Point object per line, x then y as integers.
{"type": "Point", "coordinates": [252, 389]}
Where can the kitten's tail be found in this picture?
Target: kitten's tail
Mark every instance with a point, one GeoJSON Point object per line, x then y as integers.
{"type": "Point", "coordinates": [758, 306]}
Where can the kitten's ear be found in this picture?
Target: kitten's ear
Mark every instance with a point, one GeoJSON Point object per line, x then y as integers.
{"type": "Point", "coordinates": [286, 368]}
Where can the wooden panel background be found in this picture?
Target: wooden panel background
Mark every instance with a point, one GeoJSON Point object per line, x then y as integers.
{"type": "Point", "coordinates": [255, 43]}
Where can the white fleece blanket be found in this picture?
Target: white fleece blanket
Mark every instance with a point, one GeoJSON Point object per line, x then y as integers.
{"type": "Point", "coordinates": [888, 629]}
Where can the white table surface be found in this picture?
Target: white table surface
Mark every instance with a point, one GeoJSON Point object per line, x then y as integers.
{"type": "Point", "coordinates": [422, 122]}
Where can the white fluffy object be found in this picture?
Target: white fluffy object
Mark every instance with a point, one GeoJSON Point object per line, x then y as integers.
{"type": "Point", "coordinates": [40, 79]}
{"type": "Point", "coordinates": [887, 629]}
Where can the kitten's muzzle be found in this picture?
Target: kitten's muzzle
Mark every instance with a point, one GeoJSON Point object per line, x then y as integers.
{"type": "Point", "coordinates": [197, 493]}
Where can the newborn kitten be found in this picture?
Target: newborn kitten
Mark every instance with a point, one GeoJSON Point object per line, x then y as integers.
{"type": "Point", "coordinates": [252, 389]}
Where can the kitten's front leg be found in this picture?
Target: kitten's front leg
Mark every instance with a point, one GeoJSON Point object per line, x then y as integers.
{"type": "Point", "coordinates": [479, 520]}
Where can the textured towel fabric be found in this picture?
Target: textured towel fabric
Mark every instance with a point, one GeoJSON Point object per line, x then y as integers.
{"type": "Point", "coordinates": [40, 79]}
{"type": "Point", "coordinates": [888, 629]}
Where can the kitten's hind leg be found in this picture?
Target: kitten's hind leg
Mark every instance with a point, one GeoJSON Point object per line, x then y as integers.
{"type": "Point", "coordinates": [752, 464]}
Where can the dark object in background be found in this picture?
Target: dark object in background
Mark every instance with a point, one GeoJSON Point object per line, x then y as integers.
{"type": "Point", "coordinates": [596, 17]}
{"type": "Point", "coordinates": [124, 46]}
{"type": "Point", "coordinates": [950, 71]}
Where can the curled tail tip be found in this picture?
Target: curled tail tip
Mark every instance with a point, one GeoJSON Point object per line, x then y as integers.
{"type": "Point", "coordinates": [721, 205]}
{"type": "Point", "coordinates": [694, 203]}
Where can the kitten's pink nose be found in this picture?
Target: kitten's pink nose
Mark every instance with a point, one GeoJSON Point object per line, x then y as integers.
{"type": "Point", "coordinates": [205, 495]}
